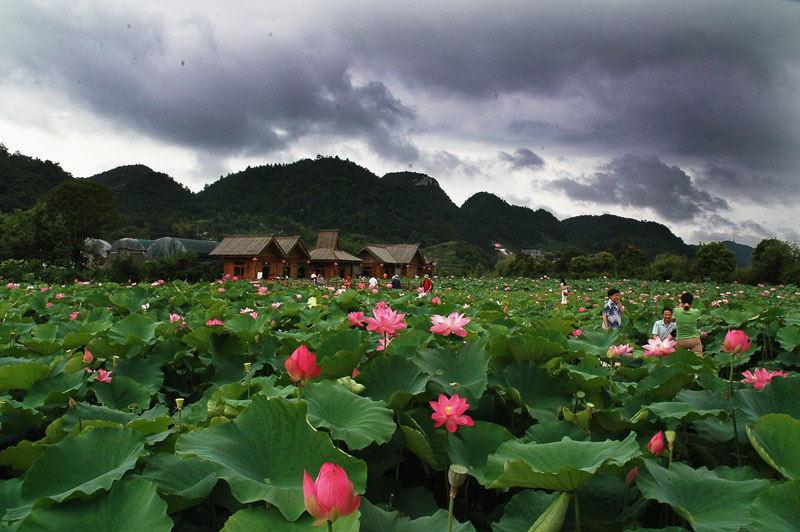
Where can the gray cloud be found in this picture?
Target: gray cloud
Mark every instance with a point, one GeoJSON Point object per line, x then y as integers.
{"type": "Point", "coordinates": [643, 182]}
{"type": "Point", "coordinates": [523, 158]}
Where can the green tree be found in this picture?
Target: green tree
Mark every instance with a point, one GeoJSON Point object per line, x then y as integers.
{"type": "Point", "coordinates": [85, 206]}
{"type": "Point", "coordinates": [715, 262]}
{"type": "Point", "coordinates": [580, 267]}
{"type": "Point", "coordinates": [632, 261]}
{"type": "Point", "coordinates": [771, 261]}
{"type": "Point", "coordinates": [669, 266]}
{"type": "Point", "coordinates": [34, 234]}
{"type": "Point", "coordinates": [603, 263]}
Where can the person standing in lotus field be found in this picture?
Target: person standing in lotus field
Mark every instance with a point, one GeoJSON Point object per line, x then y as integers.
{"type": "Point", "coordinates": [612, 311]}
{"type": "Point", "coordinates": [688, 336]}
{"type": "Point", "coordinates": [564, 291]}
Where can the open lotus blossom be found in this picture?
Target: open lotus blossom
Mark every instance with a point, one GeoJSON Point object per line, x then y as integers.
{"type": "Point", "coordinates": [356, 319]}
{"type": "Point", "coordinates": [736, 342]}
{"type": "Point", "coordinates": [103, 375]}
{"type": "Point", "coordinates": [331, 496]}
{"type": "Point", "coordinates": [175, 317]}
{"type": "Point", "coordinates": [436, 300]}
{"type": "Point", "coordinates": [385, 321]}
{"type": "Point", "coordinates": [656, 347]}
{"type": "Point", "coordinates": [214, 322]}
{"type": "Point", "coordinates": [302, 365]}
{"type": "Point", "coordinates": [576, 333]}
{"type": "Point", "coordinates": [656, 445]}
{"type": "Point", "coordinates": [87, 357]}
{"type": "Point", "coordinates": [449, 412]}
{"type": "Point", "coordinates": [73, 315]}
{"type": "Point", "coordinates": [454, 323]}
{"type": "Point", "coordinates": [616, 350]}
{"type": "Point", "coordinates": [760, 377]}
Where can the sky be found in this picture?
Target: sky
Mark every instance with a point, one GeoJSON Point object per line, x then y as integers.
{"type": "Point", "coordinates": [682, 112]}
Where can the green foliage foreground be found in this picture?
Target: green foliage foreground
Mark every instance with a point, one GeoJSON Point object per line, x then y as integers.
{"type": "Point", "coordinates": [200, 428]}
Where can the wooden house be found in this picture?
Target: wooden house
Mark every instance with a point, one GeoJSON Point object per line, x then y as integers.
{"type": "Point", "coordinates": [405, 260]}
{"type": "Point", "coordinates": [262, 256]}
{"type": "Point", "coordinates": [330, 260]}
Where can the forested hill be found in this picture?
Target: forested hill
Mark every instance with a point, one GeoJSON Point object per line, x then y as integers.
{"type": "Point", "coordinates": [328, 192]}
{"type": "Point", "coordinates": [23, 179]}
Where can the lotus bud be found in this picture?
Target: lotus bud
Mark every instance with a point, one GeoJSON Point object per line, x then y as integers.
{"type": "Point", "coordinates": [456, 476]}
{"type": "Point", "coordinates": [179, 403]}
{"type": "Point", "coordinates": [71, 403]}
{"type": "Point", "coordinates": [670, 435]}
{"type": "Point", "coordinates": [612, 352]}
{"type": "Point", "coordinates": [630, 479]}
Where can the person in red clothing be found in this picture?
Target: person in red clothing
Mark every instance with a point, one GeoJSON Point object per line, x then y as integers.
{"type": "Point", "coordinates": [427, 284]}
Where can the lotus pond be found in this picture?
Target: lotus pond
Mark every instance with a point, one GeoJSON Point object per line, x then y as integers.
{"type": "Point", "coordinates": [172, 407]}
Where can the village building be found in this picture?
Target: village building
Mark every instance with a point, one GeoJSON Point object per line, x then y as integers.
{"type": "Point", "coordinates": [262, 256]}
{"type": "Point", "coordinates": [405, 260]}
{"type": "Point", "coordinates": [330, 260]}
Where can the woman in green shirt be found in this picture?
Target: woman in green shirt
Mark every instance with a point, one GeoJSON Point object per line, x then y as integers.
{"type": "Point", "coordinates": [685, 317]}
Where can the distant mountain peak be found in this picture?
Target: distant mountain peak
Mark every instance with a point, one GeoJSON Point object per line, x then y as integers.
{"type": "Point", "coordinates": [412, 178]}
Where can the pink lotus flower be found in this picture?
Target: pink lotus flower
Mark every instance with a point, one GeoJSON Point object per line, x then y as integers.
{"type": "Point", "coordinates": [103, 376]}
{"type": "Point", "coordinates": [356, 319]}
{"type": "Point", "coordinates": [630, 478]}
{"type": "Point", "coordinates": [760, 377]}
{"type": "Point", "coordinates": [616, 350]}
{"type": "Point", "coordinates": [656, 347]}
{"type": "Point", "coordinates": [736, 342]}
{"type": "Point", "coordinates": [582, 309]}
{"type": "Point", "coordinates": [436, 300]}
{"type": "Point", "coordinates": [361, 286]}
{"type": "Point", "coordinates": [277, 304]}
{"type": "Point", "coordinates": [214, 322]}
{"type": "Point", "coordinates": [386, 321]}
{"type": "Point", "coordinates": [73, 315]}
{"type": "Point", "coordinates": [174, 317]}
{"type": "Point", "coordinates": [383, 343]}
{"type": "Point", "coordinates": [49, 304]}
{"type": "Point", "coordinates": [576, 333]}
{"type": "Point", "coordinates": [449, 412]}
{"type": "Point", "coordinates": [87, 357]}
{"type": "Point", "coordinates": [656, 445]}
{"type": "Point", "coordinates": [60, 295]}
{"type": "Point", "coordinates": [331, 496]}
{"type": "Point", "coordinates": [454, 323]}
{"type": "Point", "coordinates": [302, 365]}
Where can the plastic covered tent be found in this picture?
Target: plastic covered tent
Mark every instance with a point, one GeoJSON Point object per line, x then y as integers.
{"type": "Point", "coordinates": [164, 247]}
{"type": "Point", "coordinates": [126, 246]}
{"type": "Point", "coordinates": [95, 250]}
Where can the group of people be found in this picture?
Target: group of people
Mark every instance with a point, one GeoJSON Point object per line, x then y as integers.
{"type": "Point", "coordinates": [679, 324]}
{"type": "Point", "coordinates": [396, 284]}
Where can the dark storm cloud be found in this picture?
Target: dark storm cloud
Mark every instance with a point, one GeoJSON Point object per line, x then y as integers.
{"type": "Point", "coordinates": [633, 181]}
{"type": "Point", "coordinates": [523, 158]}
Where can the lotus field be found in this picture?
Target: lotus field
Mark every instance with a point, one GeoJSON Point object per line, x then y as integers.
{"type": "Point", "coordinates": [486, 405]}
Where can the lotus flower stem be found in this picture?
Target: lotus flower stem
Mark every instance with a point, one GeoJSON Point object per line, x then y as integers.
{"type": "Point", "coordinates": [450, 512]}
{"type": "Point", "coordinates": [330, 526]}
{"type": "Point", "coordinates": [577, 512]}
{"type": "Point", "coordinates": [733, 414]}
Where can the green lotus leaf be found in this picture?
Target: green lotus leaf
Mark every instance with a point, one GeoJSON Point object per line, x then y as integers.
{"type": "Point", "coordinates": [680, 412]}
{"type": "Point", "coordinates": [707, 501]}
{"type": "Point", "coordinates": [536, 348]}
{"type": "Point", "coordinates": [44, 347]}
{"type": "Point", "coordinates": [471, 448]}
{"type": "Point", "coordinates": [263, 452]}
{"type": "Point", "coordinates": [228, 367]}
{"type": "Point", "coordinates": [54, 389]}
{"type": "Point", "coordinates": [375, 518]}
{"type": "Point", "coordinates": [250, 519]}
{"type": "Point", "coordinates": [182, 482]}
{"type": "Point", "coordinates": [134, 329]}
{"type": "Point", "coordinates": [524, 510]}
{"type": "Point", "coordinates": [777, 508]}
{"type": "Point", "coordinates": [102, 347]}
{"type": "Point", "coordinates": [142, 371]}
{"type": "Point", "coordinates": [775, 437]}
{"type": "Point", "coordinates": [421, 438]}
{"type": "Point", "coordinates": [595, 342]}
{"type": "Point", "coordinates": [559, 466]}
{"type": "Point", "coordinates": [665, 382]}
{"type": "Point", "coordinates": [554, 431]}
{"type": "Point", "coordinates": [346, 340]}
{"type": "Point", "coordinates": [85, 465]}
{"type": "Point", "coordinates": [533, 388]}
{"type": "Point", "coordinates": [587, 377]}
{"type": "Point", "coordinates": [22, 455]}
{"type": "Point", "coordinates": [789, 337]}
{"type": "Point", "coordinates": [88, 412]}
{"type": "Point", "coordinates": [462, 373]}
{"type": "Point", "coordinates": [393, 380]}
{"type": "Point", "coordinates": [121, 393]}
{"type": "Point", "coordinates": [358, 421]}
{"type": "Point", "coordinates": [130, 506]}
{"type": "Point", "coordinates": [9, 495]}
{"type": "Point", "coordinates": [22, 376]}
{"type": "Point", "coordinates": [780, 396]}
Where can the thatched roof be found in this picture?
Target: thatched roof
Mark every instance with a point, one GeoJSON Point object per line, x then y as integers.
{"type": "Point", "coordinates": [395, 253]}
{"type": "Point", "coordinates": [290, 243]}
{"type": "Point", "coordinates": [329, 238]}
{"type": "Point", "coordinates": [331, 255]}
{"type": "Point", "coordinates": [243, 245]}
